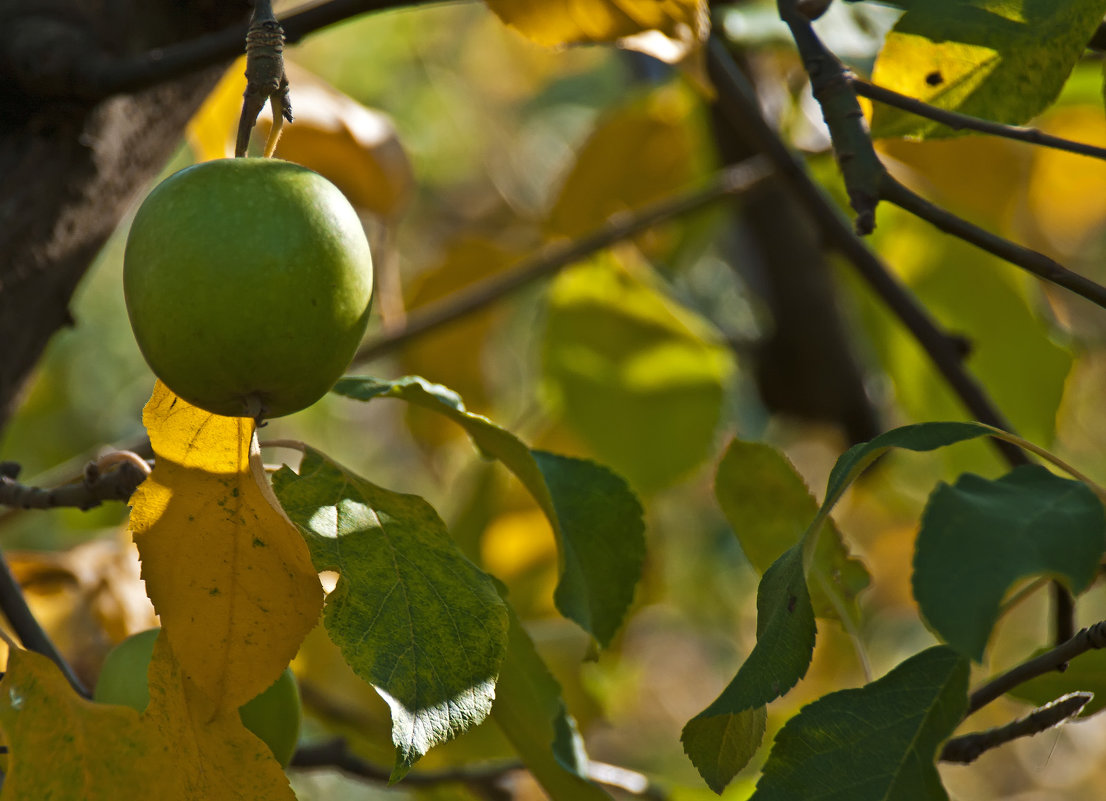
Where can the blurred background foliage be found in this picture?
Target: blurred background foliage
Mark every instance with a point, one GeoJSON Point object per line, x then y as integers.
{"type": "Point", "coordinates": [466, 148]}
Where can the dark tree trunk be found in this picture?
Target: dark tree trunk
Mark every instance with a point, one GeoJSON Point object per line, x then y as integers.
{"type": "Point", "coordinates": [69, 167]}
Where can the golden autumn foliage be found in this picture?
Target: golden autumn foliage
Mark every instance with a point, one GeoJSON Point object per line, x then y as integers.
{"type": "Point", "coordinates": [229, 575]}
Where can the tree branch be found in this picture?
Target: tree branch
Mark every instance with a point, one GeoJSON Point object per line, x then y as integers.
{"type": "Point", "coordinates": [849, 134]}
{"type": "Point", "coordinates": [728, 182]}
{"type": "Point", "coordinates": [968, 747]}
{"type": "Point", "coordinates": [1087, 639]}
{"type": "Point", "coordinates": [486, 780]}
{"type": "Point", "coordinates": [92, 73]}
{"type": "Point", "coordinates": [738, 101]}
{"type": "Point", "coordinates": [1029, 260]}
{"type": "Point", "coordinates": [963, 122]}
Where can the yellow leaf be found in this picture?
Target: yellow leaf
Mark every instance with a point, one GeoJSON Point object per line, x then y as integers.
{"type": "Point", "coordinates": [211, 130]}
{"type": "Point", "coordinates": [355, 147]}
{"type": "Point", "coordinates": [229, 575]}
{"type": "Point", "coordinates": [641, 153]}
{"type": "Point", "coordinates": [62, 746]}
{"type": "Point", "coordinates": [666, 29]}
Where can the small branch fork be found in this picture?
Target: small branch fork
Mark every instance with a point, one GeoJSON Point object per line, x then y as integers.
{"type": "Point", "coordinates": [968, 747]}
{"type": "Point", "coordinates": [868, 182]}
{"type": "Point", "coordinates": [113, 477]}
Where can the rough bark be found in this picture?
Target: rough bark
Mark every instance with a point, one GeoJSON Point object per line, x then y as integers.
{"type": "Point", "coordinates": [70, 167]}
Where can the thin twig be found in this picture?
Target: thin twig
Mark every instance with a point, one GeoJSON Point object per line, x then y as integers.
{"type": "Point", "coordinates": [968, 747]}
{"type": "Point", "coordinates": [1087, 639]}
{"type": "Point", "coordinates": [483, 779]}
{"type": "Point", "coordinates": [1031, 261]}
{"type": "Point", "coordinates": [964, 122]}
{"type": "Point", "coordinates": [728, 182]}
{"type": "Point", "coordinates": [96, 486]}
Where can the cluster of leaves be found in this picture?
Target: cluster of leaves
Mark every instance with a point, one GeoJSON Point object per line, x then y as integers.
{"type": "Point", "coordinates": [231, 561]}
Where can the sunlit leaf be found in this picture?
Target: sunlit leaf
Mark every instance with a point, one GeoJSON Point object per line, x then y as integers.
{"type": "Point", "coordinates": [988, 58]}
{"type": "Point", "coordinates": [979, 537]}
{"type": "Point", "coordinates": [769, 507]}
{"type": "Point", "coordinates": [411, 614]}
{"type": "Point", "coordinates": [531, 713]}
{"type": "Point", "coordinates": [595, 516]}
{"type": "Point", "coordinates": [722, 738]}
{"type": "Point", "coordinates": [62, 746]}
{"type": "Point", "coordinates": [876, 743]}
{"type": "Point", "coordinates": [640, 378]}
{"type": "Point", "coordinates": [666, 29]}
{"type": "Point", "coordinates": [227, 572]}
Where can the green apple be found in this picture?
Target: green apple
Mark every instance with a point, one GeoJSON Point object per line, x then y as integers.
{"type": "Point", "coordinates": [274, 715]}
{"type": "Point", "coordinates": [248, 283]}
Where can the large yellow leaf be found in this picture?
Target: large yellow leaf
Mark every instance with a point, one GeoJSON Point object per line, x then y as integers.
{"type": "Point", "coordinates": [666, 29]}
{"type": "Point", "coordinates": [62, 746]}
{"type": "Point", "coordinates": [229, 575]}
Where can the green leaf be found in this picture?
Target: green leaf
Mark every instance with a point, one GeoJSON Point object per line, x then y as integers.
{"type": "Point", "coordinates": [410, 613]}
{"type": "Point", "coordinates": [917, 437]}
{"type": "Point", "coordinates": [978, 537]}
{"type": "Point", "coordinates": [722, 745]}
{"type": "Point", "coordinates": [1084, 673]}
{"type": "Point", "coordinates": [594, 515]}
{"type": "Point", "coordinates": [876, 743]}
{"type": "Point", "coordinates": [639, 378]}
{"type": "Point", "coordinates": [722, 738]}
{"type": "Point", "coordinates": [531, 713]}
{"type": "Point", "coordinates": [995, 59]}
{"type": "Point", "coordinates": [769, 507]}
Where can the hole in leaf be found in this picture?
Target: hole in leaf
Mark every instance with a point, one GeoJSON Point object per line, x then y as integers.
{"type": "Point", "coordinates": [935, 78]}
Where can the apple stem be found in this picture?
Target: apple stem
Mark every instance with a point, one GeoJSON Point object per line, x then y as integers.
{"type": "Point", "coordinates": [265, 77]}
